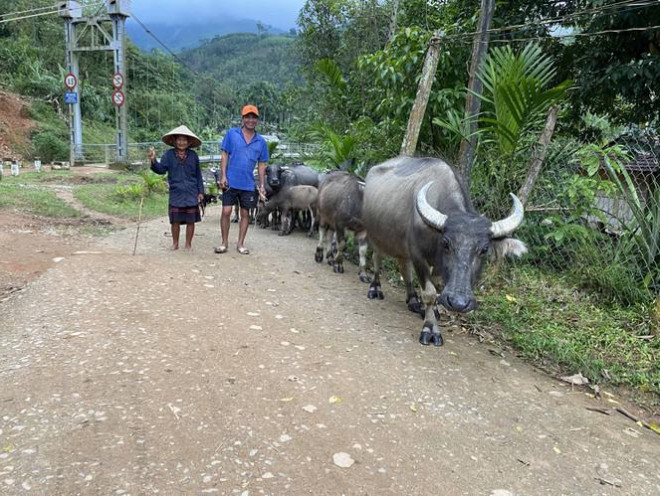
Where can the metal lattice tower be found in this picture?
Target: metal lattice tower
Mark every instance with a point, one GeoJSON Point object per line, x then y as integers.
{"type": "Point", "coordinates": [100, 32]}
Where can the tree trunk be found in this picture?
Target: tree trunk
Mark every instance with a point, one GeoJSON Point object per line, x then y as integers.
{"type": "Point", "coordinates": [421, 100]}
{"type": "Point", "coordinates": [393, 20]}
{"type": "Point", "coordinates": [539, 154]}
{"type": "Point", "coordinates": [472, 101]}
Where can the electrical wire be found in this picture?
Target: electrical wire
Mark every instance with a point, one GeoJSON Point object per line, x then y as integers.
{"type": "Point", "coordinates": [558, 37]}
{"type": "Point", "coordinates": [55, 11]}
{"type": "Point", "coordinates": [174, 55]}
{"type": "Point", "coordinates": [635, 4]}
{"type": "Point", "coordinates": [48, 7]}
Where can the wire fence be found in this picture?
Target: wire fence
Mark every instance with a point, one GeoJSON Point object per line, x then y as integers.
{"type": "Point", "coordinates": [209, 152]}
{"type": "Point", "coordinates": [594, 216]}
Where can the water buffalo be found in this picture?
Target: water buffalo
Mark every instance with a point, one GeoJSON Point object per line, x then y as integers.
{"type": "Point", "coordinates": [417, 211]}
{"type": "Point", "coordinates": [280, 176]}
{"type": "Point", "coordinates": [340, 208]}
{"type": "Point", "coordinates": [288, 200]}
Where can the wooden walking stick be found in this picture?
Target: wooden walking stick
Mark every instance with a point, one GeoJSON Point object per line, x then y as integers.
{"type": "Point", "coordinates": [137, 232]}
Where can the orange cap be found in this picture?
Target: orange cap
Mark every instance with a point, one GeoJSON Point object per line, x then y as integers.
{"type": "Point", "coordinates": [250, 109]}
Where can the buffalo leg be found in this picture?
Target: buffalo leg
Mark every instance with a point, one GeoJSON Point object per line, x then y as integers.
{"type": "Point", "coordinates": [362, 250]}
{"type": "Point", "coordinates": [412, 298]}
{"type": "Point", "coordinates": [430, 330]}
{"type": "Point", "coordinates": [311, 224]}
{"type": "Point", "coordinates": [332, 250]}
{"type": "Point", "coordinates": [374, 288]}
{"type": "Point", "coordinates": [318, 256]}
{"type": "Point", "coordinates": [338, 266]}
{"type": "Point", "coordinates": [286, 223]}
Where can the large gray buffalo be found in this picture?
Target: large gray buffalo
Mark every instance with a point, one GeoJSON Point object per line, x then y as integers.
{"type": "Point", "coordinates": [417, 211]}
{"type": "Point", "coordinates": [340, 209]}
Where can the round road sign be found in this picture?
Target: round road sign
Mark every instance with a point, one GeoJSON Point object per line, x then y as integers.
{"type": "Point", "coordinates": [70, 81]}
{"type": "Point", "coordinates": [118, 98]}
{"type": "Point", "coordinates": [117, 80]}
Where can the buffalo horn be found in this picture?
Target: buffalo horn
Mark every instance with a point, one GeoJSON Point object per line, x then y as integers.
{"type": "Point", "coordinates": [504, 227]}
{"type": "Point", "coordinates": [431, 216]}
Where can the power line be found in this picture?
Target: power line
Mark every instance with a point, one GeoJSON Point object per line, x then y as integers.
{"type": "Point", "coordinates": [55, 11]}
{"type": "Point", "coordinates": [174, 55]}
{"type": "Point", "coordinates": [558, 20]}
{"type": "Point", "coordinates": [596, 33]}
{"type": "Point", "coordinates": [48, 7]}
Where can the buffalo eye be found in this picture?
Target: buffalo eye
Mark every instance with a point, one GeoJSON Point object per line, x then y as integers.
{"type": "Point", "coordinates": [446, 246]}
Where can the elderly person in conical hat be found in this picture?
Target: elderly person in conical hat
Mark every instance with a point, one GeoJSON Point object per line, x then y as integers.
{"type": "Point", "coordinates": [184, 175]}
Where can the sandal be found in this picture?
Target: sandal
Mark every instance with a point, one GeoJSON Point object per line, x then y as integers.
{"type": "Point", "coordinates": [242, 250]}
{"type": "Point", "coordinates": [221, 249]}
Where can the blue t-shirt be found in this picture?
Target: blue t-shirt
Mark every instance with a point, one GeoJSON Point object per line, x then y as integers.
{"type": "Point", "coordinates": [243, 158]}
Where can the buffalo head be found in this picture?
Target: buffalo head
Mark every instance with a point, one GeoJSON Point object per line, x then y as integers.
{"type": "Point", "coordinates": [464, 238]}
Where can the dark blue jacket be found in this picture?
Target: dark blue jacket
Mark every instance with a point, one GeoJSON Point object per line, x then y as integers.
{"type": "Point", "coordinates": [185, 179]}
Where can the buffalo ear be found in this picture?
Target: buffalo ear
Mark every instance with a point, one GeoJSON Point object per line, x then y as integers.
{"type": "Point", "coordinates": [508, 247]}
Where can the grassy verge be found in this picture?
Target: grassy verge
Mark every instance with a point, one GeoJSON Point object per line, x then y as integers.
{"type": "Point", "coordinates": [554, 325]}
{"type": "Point", "coordinates": [28, 198]}
{"type": "Point", "coordinates": [105, 198]}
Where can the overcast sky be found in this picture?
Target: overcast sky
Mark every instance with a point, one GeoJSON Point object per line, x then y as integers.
{"type": "Point", "coordinates": [278, 13]}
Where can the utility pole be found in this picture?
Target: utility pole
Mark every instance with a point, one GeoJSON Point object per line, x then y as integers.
{"type": "Point", "coordinates": [472, 101]}
{"type": "Point", "coordinates": [422, 98]}
{"type": "Point", "coordinates": [71, 11]}
{"type": "Point", "coordinates": [91, 34]}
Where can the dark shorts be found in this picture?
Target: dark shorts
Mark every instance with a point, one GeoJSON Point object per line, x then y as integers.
{"type": "Point", "coordinates": [246, 199]}
{"type": "Point", "coordinates": [184, 215]}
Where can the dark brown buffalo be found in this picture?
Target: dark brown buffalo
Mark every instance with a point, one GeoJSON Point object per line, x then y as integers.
{"type": "Point", "coordinates": [340, 209]}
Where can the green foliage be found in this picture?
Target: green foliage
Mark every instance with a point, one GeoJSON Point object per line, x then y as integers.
{"type": "Point", "coordinates": [50, 146]}
{"type": "Point", "coordinates": [336, 150]}
{"type": "Point", "coordinates": [639, 239]}
{"type": "Point", "coordinates": [600, 342]}
{"type": "Point", "coordinates": [227, 66]}
{"type": "Point", "coordinates": [26, 198]}
{"type": "Point", "coordinates": [104, 197]}
{"type": "Point", "coordinates": [616, 74]}
{"type": "Point", "coordinates": [516, 91]}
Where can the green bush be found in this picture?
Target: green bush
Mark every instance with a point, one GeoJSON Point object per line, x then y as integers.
{"type": "Point", "coordinates": [49, 146]}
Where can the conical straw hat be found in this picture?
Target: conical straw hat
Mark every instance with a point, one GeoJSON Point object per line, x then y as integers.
{"type": "Point", "coordinates": [170, 138]}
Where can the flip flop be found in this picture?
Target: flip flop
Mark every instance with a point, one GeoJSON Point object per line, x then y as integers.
{"type": "Point", "coordinates": [242, 250]}
{"type": "Point", "coordinates": [221, 249]}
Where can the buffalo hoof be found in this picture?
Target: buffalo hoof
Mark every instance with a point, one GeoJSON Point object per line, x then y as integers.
{"type": "Point", "coordinates": [425, 337]}
{"type": "Point", "coordinates": [338, 268]}
{"type": "Point", "coordinates": [365, 278]}
{"type": "Point", "coordinates": [234, 221]}
{"type": "Point", "coordinates": [375, 293]}
{"type": "Point", "coordinates": [318, 256]}
{"type": "Point", "coordinates": [437, 340]}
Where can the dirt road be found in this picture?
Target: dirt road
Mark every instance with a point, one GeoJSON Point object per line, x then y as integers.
{"type": "Point", "coordinates": [195, 373]}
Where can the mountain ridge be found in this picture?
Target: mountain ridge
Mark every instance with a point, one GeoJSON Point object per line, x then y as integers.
{"type": "Point", "coordinates": [190, 35]}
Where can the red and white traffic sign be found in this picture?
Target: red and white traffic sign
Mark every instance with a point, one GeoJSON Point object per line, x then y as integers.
{"type": "Point", "coordinates": [117, 80]}
{"type": "Point", "coordinates": [70, 81]}
{"type": "Point", "coordinates": [118, 98]}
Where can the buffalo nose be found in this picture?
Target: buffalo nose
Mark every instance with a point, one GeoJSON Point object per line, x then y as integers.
{"type": "Point", "coordinates": [459, 303]}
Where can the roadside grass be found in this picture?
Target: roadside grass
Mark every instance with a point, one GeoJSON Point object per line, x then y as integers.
{"type": "Point", "coordinates": [24, 197]}
{"type": "Point", "coordinates": [554, 325]}
{"type": "Point", "coordinates": [104, 197]}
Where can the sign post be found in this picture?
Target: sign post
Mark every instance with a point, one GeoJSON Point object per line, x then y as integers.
{"type": "Point", "coordinates": [118, 98]}
{"type": "Point", "coordinates": [117, 80]}
{"type": "Point", "coordinates": [70, 81]}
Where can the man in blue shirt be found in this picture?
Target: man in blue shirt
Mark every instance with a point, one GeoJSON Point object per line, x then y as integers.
{"type": "Point", "coordinates": [242, 149]}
